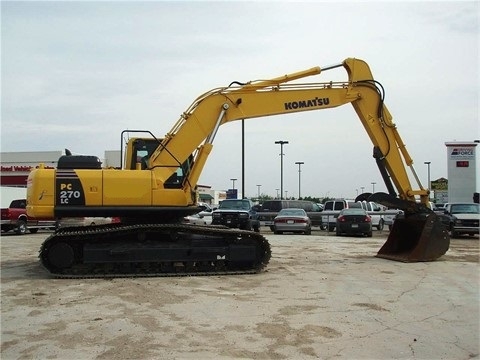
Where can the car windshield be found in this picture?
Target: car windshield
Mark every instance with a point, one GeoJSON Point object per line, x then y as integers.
{"type": "Point", "coordinates": [235, 205]}
{"type": "Point", "coordinates": [465, 209]}
{"type": "Point", "coordinates": [291, 212]}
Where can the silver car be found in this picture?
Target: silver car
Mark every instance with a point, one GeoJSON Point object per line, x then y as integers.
{"type": "Point", "coordinates": [292, 220]}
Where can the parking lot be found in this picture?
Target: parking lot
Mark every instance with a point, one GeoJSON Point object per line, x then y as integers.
{"type": "Point", "coordinates": [321, 296]}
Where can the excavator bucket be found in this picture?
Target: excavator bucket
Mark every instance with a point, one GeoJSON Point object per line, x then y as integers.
{"type": "Point", "coordinates": [415, 238]}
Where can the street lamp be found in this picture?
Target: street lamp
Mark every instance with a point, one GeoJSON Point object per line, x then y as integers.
{"type": "Point", "coordinates": [233, 183]}
{"type": "Point", "coordinates": [373, 187]}
{"type": "Point", "coordinates": [277, 193]}
{"type": "Point", "coordinates": [281, 142]}
{"type": "Point", "coordinates": [258, 186]}
{"type": "Point", "coordinates": [286, 194]}
{"type": "Point", "coordinates": [299, 163]}
{"type": "Point", "coordinates": [428, 172]}
{"type": "Point", "coordinates": [428, 169]}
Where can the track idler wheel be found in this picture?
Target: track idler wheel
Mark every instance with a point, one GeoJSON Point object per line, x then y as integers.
{"type": "Point", "coordinates": [61, 255]}
{"type": "Point", "coordinates": [415, 238]}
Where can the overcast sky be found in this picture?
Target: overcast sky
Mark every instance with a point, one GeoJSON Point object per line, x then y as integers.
{"type": "Point", "coordinates": [75, 74]}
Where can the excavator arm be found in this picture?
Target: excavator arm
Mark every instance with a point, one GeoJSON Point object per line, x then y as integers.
{"type": "Point", "coordinates": [197, 127]}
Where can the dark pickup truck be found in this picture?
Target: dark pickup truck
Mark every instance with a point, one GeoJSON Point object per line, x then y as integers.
{"type": "Point", "coordinates": [15, 218]}
{"type": "Point", "coordinates": [236, 213]}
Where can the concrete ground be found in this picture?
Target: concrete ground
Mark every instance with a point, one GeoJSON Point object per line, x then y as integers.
{"type": "Point", "coordinates": [320, 297]}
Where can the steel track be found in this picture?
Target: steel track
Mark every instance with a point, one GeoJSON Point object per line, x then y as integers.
{"type": "Point", "coordinates": [109, 234]}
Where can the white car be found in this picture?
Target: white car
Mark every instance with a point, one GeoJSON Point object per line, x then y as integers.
{"type": "Point", "coordinates": [85, 221]}
{"type": "Point", "coordinates": [202, 218]}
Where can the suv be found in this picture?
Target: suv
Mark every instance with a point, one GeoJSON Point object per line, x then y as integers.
{"type": "Point", "coordinates": [464, 218]}
{"type": "Point", "coordinates": [334, 206]}
{"type": "Point", "coordinates": [236, 213]}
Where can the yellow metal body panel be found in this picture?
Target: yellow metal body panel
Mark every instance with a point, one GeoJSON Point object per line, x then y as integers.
{"type": "Point", "coordinates": [41, 193]}
{"type": "Point", "coordinates": [127, 187]}
{"type": "Point", "coordinates": [92, 184]}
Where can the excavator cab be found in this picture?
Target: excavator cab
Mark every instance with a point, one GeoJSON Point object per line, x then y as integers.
{"type": "Point", "coordinates": [417, 235]}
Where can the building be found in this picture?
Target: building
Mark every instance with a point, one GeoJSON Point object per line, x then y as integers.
{"type": "Point", "coordinates": [15, 166]}
{"type": "Point", "coordinates": [462, 170]}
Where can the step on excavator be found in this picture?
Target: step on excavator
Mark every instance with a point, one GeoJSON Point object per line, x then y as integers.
{"type": "Point", "coordinates": [157, 186]}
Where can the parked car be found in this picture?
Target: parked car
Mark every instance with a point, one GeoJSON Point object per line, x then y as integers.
{"type": "Point", "coordinates": [464, 218]}
{"type": "Point", "coordinates": [202, 218]}
{"type": "Point", "coordinates": [354, 221]}
{"type": "Point", "coordinates": [334, 207]}
{"type": "Point", "coordinates": [377, 220]}
{"type": "Point", "coordinates": [292, 220]}
{"type": "Point", "coordinates": [271, 208]}
{"type": "Point", "coordinates": [85, 221]}
{"type": "Point", "coordinates": [389, 218]}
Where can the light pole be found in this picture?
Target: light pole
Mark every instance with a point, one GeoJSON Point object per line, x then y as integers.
{"type": "Point", "coordinates": [281, 142]}
{"type": "Point", "coordinates": [233, 183]}
{"type": "Point", "coordinates": [299, 163]}
{"type": "Point", "coordinates": [428, 172]}
{"type": "Point", "coordinates": [373, 187]}
{"type": "Point", "coordinates": [258, 186]}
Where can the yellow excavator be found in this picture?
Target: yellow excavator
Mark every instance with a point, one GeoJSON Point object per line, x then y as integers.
{"type": "Point", "coordinates": [157, 187]}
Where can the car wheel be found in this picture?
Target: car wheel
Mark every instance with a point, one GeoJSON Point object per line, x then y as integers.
{"type": "Point", "coordinates": [323, 227]}
{"type": "Point", "coordinates": [380, 225]}
{"type": "Point", "coordinates": [33, 231]}
{"type": "Point", "coordinates": [308, 231]}
{"type": "Point", "coordinates": [454, 234]}
{"type": "Point", "coordinates": [331, 228]}
{"type": "Point", "coordinates": [21, 228]}
{"type": "Point", "coordinates": [278, 232]}
{"type": "Point", "coordinates": [369, 234]}
{"type": "Point", "coordinates": [272, 228]}
{"type": "Point", "coordinates": [338, 233]}
{"type": "Point", "coordinates": [256, 228]}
